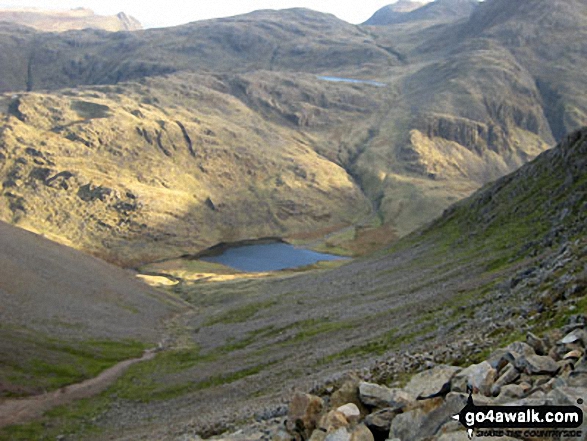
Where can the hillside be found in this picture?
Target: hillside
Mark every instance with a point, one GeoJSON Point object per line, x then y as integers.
{"type": "Point", "coordinates": [437, 11]}
{"type": "Point", "coordinates": [508, 260]}
{"type": "Point", "coordinates": [66, 316]}
{"type": "Point", "coordinates": [74, 19]}
{"type": "Point", "coordinates": [137, 173]}
{"type": "Point", "coordinates": [393, 13]}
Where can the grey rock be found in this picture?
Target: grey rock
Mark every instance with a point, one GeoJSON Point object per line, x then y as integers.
{"type": "Point", "coordinates": [510, 392]}
{"type": "Point", "coordinates": [478, 376]}
{"type": "Point", "coordinates": [425, 422]}
{"type": "Point", "coordinates": [537, 365]}
{"type": "Point", "coordinates": [520, 348]}
{"type": "Point", "coordinates": [432, 383]}
{"type": "Point", "coordinates": [578, 335]}
{"type": "Point", "coordinates": [380, 422]}
{"type": "Point", "coordinates": [508, 375]}
{"type": "Point", "coordinates": [378, 396]}
{"type": "Point", "coordinates": [538, 344]}
{"type": "Point", "coordinates": [577, 380]}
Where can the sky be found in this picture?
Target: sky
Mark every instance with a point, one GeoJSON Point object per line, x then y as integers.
{"type": "Point", "coordinates": [161, 13]}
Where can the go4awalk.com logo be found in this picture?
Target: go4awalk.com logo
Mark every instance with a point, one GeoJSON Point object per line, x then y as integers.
{"type": "Point", "coordinates": [521, 421]}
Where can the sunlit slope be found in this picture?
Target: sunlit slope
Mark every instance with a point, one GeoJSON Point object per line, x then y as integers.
{"type": "Point", "coordinates": [136, 173]}
{"type": "Point", "coordinates": [66, 20]}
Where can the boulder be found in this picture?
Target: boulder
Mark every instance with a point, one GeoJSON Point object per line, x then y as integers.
{"type": "Point", "coordinates": [304, 413]}
{"type": "Point", "coordinates": [361, 433]}
{"type": "Point", "coordinates": [425, 421]}
{"type": "Point", "coordinates": [576, 336]}
{"type": "Point", "coordinates": [351, 412]}
{"type": "Point", "coordinates": [573, 355]}
{"type": "Point", "coordinates": [510, 392]}
{"type": "Point", "coordinates": [508, 375]}
{"type": "Point", "coordinates": [378, 396]}
{"type": "Point", "coordinates": [520, 348]}
{"type": "Point", "coordinates": [538, 344]}
{"type": "Point", "coordinates": [348, 393]}
{"type": "Point", "coordinates": [338, 435]}
{"type": "Point", "coordinates": [380, 422]}
{"type": "Point", "coordinates": [537, 365]}
{"type": "Point", "coordinates": [432, 383]}
{"type": "Point", "coordinates": [332, 421]}
{"type": "Point", "coordinates": [480, 377]}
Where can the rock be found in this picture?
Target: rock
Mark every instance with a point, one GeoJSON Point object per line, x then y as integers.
{"type": "Point", "coordinates": [348, 393]}
{"type": "Point", "coordinates": [303, 414]}
{"type": "Point", "coordinates": [351, 412]}
{"type": "Point", "coordinates": [318, 435]}
{"type": "Point", "coordinates": [578, 335]}
{"type": "Point", "coordinates": [478, 376]}
{"type": "Point", "coordinates": [333, 420]}
{"type": "Point", "coordinates": [338, 435]}
{"type": "Point", "coordinates": [361, 433]}
{"type": "Point", "coordinates": [520, 348]}
{"type": "Point", "coordinates": [510, 392]}
{"type": "Point", "coordinates": [378, 396]}
{"type": "Point", "coordinates": [537, 365]}
{"type": "Point", "coordinates": [509, 375]}
{"type": "Point", "coordinates": [425, 421]}
{"type": "Point", "coordinates": [432, 383]}
{"type": "Point", "coordinates": [573, 355]}
{"type": "Point", "coordinates": [577, 379]}
{"type": "Point", "coordinates": [380, 422]}
{"type": "Point", "coordinates": [538, 344]}
{"type": "Point", "coordinates": [498, 359]}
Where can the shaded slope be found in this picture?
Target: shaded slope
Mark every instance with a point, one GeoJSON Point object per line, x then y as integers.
{"type": "Point", "coordinates": [291, 40]}
{"type": "Point", "coordinates": [66, 316]}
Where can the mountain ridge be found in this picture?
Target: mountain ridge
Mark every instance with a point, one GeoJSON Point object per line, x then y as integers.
{"type": "Point", "coordinates": [74, 19]}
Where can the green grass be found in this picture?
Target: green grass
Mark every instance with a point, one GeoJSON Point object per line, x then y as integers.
{"type": "Point", "coordinates": [240, 314]}
{"type": "Point", "coordinates": [53, 363]}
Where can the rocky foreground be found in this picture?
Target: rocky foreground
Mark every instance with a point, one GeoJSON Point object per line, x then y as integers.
{"type": "Point", "coordinates": [540, 371]}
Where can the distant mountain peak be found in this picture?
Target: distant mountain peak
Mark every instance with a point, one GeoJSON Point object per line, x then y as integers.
{"type": "Point", "coordinates": [66, 20]}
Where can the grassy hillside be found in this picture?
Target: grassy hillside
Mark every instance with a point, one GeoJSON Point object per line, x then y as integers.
{"type": "Point", "coordinates": [66, 316]}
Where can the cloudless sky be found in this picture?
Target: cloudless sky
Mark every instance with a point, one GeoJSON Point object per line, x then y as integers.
{"type": "Point", "coordinates": [171, 13]}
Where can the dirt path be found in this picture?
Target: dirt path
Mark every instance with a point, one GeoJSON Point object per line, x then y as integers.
{"type": "Point", "coordinates": [20, 410]}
